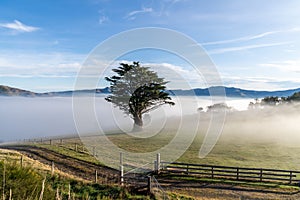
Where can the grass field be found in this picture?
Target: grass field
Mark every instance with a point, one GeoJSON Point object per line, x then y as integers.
{"type": "Point", "coordinates": [268, 139]}
{"type": "Point", "coordinates": [235, 147]}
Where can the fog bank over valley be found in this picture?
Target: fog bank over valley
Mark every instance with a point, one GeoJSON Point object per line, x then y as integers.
{"type": "Point", "coordinates": [24, 118]}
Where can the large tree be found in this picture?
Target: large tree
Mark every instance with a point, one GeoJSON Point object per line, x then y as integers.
{"type": "Point", "coordinates": [137, 90]}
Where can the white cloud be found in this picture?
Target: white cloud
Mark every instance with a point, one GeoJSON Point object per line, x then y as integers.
{"type": "Point", "coordinates": [184, 77]}
{"type": "Point", "coordinates": [260, 83]}
{"type": "Point", "coordinates": [250, 37]}
{"type": "Point", "coordinates": [180, 77]}
{"type": "Point", "coordinates": [132, 15]}
{"type": "Point", "coordinates": [103, 19]}
{"type": "Point", "coordinates": [288, 65]}
{"type": "Point", "coordinates": [19, 26]}
{"type": "Point", "coordinates": [247, 47]}
{"type": "Point", "coordinates": [246, 38]}
{"type": "Point", "coordinates": [39, 65]}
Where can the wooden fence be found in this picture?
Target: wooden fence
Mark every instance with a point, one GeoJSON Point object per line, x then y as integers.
{"type": "Point", "coordinates": [291, 177]}
{"type": "Point", "coordinates": [233, 173]}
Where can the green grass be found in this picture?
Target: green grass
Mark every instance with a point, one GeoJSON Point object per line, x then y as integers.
{"type": "Point", "coordinates": [237, 152]}
{"type": "Point", "coordinates": [175, 196]}
{"type": "Point", "coordinates": [26, 183]}
{"type": "Point", "coordinates": [68, 149]}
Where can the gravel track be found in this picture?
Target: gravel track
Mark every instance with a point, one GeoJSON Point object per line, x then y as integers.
{"type": "Point", "coordinates": [67, 164]}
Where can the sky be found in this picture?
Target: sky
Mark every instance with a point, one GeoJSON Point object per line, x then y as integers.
{"type": "Point", "coordinates": [254, 44]}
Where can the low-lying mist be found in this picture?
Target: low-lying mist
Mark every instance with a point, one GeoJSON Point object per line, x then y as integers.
{"type": "Point", "coordinates": [23, 118]}
{"type": "Point", "coordinates": [271, 124]}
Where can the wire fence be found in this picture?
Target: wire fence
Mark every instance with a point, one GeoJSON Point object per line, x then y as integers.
{"type": "Point", "coordinates": [157, 189]}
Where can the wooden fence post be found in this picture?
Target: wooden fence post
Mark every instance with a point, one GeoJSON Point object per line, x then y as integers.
{"type": "Point", "coordinates": [158, 162]}
{"type": "Point", "coordinates": [187, 169]}
{"type": "Point", "coordinates": [21, 161]}
{"type": "Point", "coordinates": [96, 176]}
{"type": "Point", "coordinates": [121, 175]}
{"type": "Point", "coordinates": [50, 142]}
{"type": "Point", "coordinates": [61, 141]}
{"type": "Point", "coordinates": [149, 186]}
{"type": "Point", "coordinates": [69, 192]}
{"type": "Point", "coordinates": [237, 173]}
{"type": "Point", "coordinates": [261, 175]}
{"type": "Point", "coordinates": [212, 172]}
{"type": "Point", "coordinates": [121, 169]}
{"type": "Point", "coordinates": [3, 182]}
{"type": "Point", "coordinates": [76, 147]}
{"type": "Point", "coordinates": [291, 177]}
{"type": "Point", "coordinates": [52, 168]}
{"type": "Point", "coordinates": [10, 194]}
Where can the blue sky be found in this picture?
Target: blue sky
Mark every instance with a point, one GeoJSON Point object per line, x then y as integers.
{"type": "Point", "coordinates": [254, 44]}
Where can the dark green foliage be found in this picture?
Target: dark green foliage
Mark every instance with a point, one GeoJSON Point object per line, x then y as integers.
{"type": "Point", "coordinates": [137, 90]}
{"type": "Point", "coordinates": [219, 107]}
{"type": "Point", "coordinates": [272, 101]}
{"type": "Point", "coordinates": [294, 97]}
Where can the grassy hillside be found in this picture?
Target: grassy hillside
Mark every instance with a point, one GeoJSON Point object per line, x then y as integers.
{"type": "Point", "coordinates": [267, 138]}
{"type": "Point", "coordinates": [26, 182]}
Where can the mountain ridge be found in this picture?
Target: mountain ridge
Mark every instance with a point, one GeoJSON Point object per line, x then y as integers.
{"type": "Point", "coordinates": [216, 90]}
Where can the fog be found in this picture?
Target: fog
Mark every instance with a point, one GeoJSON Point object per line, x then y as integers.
{"type": "Point", "coordinates": [23, 118]}
{"type": "Point", "coordinates": [278, 124]}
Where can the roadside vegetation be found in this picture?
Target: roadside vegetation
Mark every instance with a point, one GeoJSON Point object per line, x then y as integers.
{"type": "Point", "coordinates": [28, 182]}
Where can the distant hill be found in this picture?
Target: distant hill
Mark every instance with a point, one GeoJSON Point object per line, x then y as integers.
{"type": "Point", "coordinates": [235, 92]}
{"type": "Point", "coordinates": [230, 92]}
{"type": "Point", "coordinates": [10, 91]}
{"type": "Point", "coordinates": [77, 92]}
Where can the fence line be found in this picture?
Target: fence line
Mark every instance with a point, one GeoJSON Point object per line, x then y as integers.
{"type": "Point", "coordinates": [233, 173]}
{"type": "Point", "coordinates": [291, 177]}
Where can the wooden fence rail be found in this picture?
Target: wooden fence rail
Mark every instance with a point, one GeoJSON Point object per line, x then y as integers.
{"type": "Point", "coordinates": [233, 173]}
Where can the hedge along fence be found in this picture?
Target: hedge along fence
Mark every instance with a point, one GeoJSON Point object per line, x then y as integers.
{"type": "Point", "coordinates": [233, 173]}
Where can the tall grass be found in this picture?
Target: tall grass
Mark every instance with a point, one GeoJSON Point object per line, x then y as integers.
{"type": "Point", "coordinates": [22, 183]}
{"type": "Point", "coordinates": [25, 183]}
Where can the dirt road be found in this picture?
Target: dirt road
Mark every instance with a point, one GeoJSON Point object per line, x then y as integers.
{"type": "Point", "coordinates": [70, 165]}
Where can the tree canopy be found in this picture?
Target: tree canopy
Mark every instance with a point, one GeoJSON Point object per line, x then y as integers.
{"type": "Point", "coordinates": [274, 101]}
{"type": "Point", "coordinates": [294, 97]}
{"type": "Point", "coordinates": [219, 107]}
{"type": "Point", "coordinates": [137, 90]}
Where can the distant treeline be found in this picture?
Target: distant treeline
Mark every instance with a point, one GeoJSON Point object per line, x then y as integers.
{"type": "Point", "coordinates": [275, 100]}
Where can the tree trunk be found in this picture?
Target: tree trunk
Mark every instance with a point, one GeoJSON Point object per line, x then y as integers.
{"type": "Point", "coordinates": [138, 123]}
